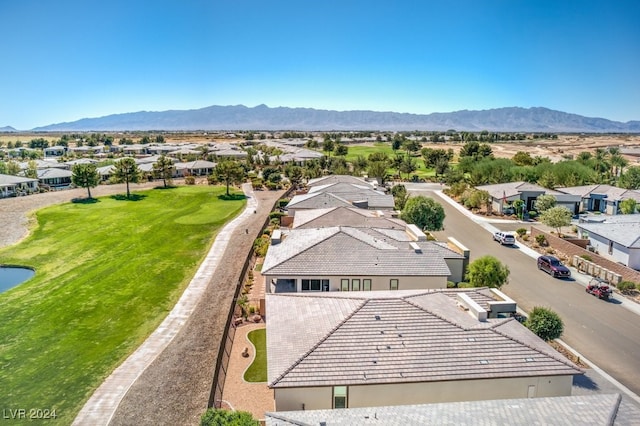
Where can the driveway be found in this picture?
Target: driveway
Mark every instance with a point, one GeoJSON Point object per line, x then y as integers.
{"type": "Point", "coordinates": [604, 332]}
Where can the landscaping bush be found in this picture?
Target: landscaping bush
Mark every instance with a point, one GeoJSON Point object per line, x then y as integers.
{"type": "Point", "coordinates": [521, 232]}
{"type": "Point", "coordinates": [214, 417]}
{"type": "Point", "coordinates": [545, 323]}
{"type": "Point", "coordinates": [586, 257]}
{"type": "Point", "coordinates": [626, 287]}
{"type": "Point", "coordinates": [282, 203]}
{"type": "Point", "coordinates": [190, 180]}
{"type": "Point", "coordinates": [256, 183]}
{"type": "Point", "coordinates": [541, 239]}
{"type": "Point", "coordinates": [278, 215]}
{"type": "Point", "coordinates": [261, 245]}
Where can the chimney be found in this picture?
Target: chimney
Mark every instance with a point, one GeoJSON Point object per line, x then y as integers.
{"type": "Point", "coordinates": [416, 248]}
{"type": "Point", "coordinates": [415, 233]}
{"type": "Point", "coordinates": [276, 237]}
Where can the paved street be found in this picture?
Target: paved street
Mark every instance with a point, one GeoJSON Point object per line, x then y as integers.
{"type": "Point", "coordinates": [604, 332]}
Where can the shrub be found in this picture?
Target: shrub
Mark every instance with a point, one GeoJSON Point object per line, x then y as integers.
{"type": "Point", "coordinates": [190, 180]}
{"type": "Point", "coordinates": [626, 287]}
{"type": "Point", "coordinates": [272, 185]}
{"type": "Point", "coordinates": [256, 183]}
{"type": "Point", "coordinates": [278, 215]}
{"type": "Point", "coordinates": [525, 237]}
{"type": "Point", "coordinates": [549, 251]}
{"type": "Point", "coordinates": [521, 232]}
{"type": "Point", "coordinates": [545, 323]}
{"type": "Point", "coordinates": [282, 203]}
{"type": "Point", "coordinates": [261, 245]}
{"type": "Point", "coordinates": [541, 239]}
{"type": "Point", "coordinates": [212, 179]}
{"type": "Point", "coordinates": [533, 214]}
{"type": "Point", "coordinates": [586, 257]}
{"type": "Point", "coordinates": [215, 417]}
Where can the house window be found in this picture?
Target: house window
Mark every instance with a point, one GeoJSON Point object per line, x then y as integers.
{"type": "Point", "coordinates": [339, 397]}
{"type": "Point", "coordinates": [610, 247]}
{"type": "Point", "coordinates": [366, 285]}
{"type": "Point", "coordinates": [355, 284]}
{"type": "Point", "coordinates": [344, 284]}
{"type": "Point", "coordinates": [315, 285]}
{"type": "Point", "coordinates": [393, 284]}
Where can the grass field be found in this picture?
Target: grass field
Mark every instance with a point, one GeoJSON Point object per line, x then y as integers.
{"type": "Point", "coordinates": [107, 273]}
{"type": "Point", "coordinates": [257, 371]}
{"type": "Point", "coordinates": [366, 150]}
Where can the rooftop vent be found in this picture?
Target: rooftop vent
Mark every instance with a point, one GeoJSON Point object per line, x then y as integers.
{"type": "Point", "coordinates": [484, 361]}
{"type": "Point", "coordinates": [377, 317]}
{"type": "Point", "coordinates": [416, 248]}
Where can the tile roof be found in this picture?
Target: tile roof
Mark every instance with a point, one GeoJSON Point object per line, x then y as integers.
{"type": "Point", "coordinates": [354, 251]}
{"type": "Point", "coordinates": [317, 201]}
{"type": "Point", "coordinates": [512, 189]}
{"type": "Point", "coordinates": [53, 173]}
{"type": "Point", "coordinates": [408, 338]}
{"type": "Point", "coordinates": [626, 234]}
{"type": "Point", "coordinates": [612, 192]}
{"type": "Point", "coordinates": [9, 180]}
{"type": "Point", "coordinates": [345, 216]}
{"type": "Point", "coordinates": [324, 180]}
{"type": "Point", "coordinates": [569, 410]}
{"type": "Point", "coordinates": [375, 199]}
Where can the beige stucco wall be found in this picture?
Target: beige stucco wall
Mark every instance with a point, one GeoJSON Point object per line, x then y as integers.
{"type": "Point", "coordinates": [377, 283]}
{"type": "Point", "coordinates": [456, 266]}
{"type": "Point", "coordinates": [424, 393]}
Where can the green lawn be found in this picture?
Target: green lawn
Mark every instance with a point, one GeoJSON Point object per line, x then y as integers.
{"type": "Point", "coordinates": [257, 371]}
{"type": "Point", "coordinates": [107, 273]}
{"type": "Point", "coordinates": [365, 151]}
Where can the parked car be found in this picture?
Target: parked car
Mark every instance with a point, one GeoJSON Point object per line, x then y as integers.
{"type": "Point", "coordinates": [553, 266]}
{"type": "Point", "coordinates": [504, 238]}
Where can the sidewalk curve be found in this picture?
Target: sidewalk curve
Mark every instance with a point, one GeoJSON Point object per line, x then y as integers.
{"type": "Point", "coordinates": [102, 405]}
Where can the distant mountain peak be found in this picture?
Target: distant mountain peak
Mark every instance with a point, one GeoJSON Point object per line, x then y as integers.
{"type": "Point", "coordinates": [262, 117]}
{"type": "Point", "coordinates": [7, 129]}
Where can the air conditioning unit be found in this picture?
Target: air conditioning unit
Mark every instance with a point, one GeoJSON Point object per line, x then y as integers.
{"type": "Point", "coordinates": [591, 248]}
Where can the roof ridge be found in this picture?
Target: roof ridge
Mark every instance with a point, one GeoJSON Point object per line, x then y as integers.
{"type": "Point", "coordinates": [308, 247]}
{"type": "Point", "coordinates": [322, 340]}
{"type": "Point", "coordinates": [561, 359]}
{"type": "Point", "coordinates": [434, 314]}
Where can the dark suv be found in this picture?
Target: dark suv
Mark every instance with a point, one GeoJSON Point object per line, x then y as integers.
{"type": "Point", "coordinates": [553, 266]}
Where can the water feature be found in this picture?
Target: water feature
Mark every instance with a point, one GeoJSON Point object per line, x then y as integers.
{"type": "Point", "coordinates": [11, 276]}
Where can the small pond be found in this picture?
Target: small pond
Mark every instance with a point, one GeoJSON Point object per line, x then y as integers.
{"type": "Point", "coordinates": [11, 276]}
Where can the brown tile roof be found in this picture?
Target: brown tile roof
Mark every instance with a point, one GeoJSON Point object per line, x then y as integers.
{"type": "Point", "coordinates": [413, 337]}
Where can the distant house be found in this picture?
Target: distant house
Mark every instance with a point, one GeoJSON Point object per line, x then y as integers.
{"type": "Point", "coordinates": [617, 237]}
{"type": "Point", "coordinates": [55, 178]}
{"type": "Point", "coordinates": [11, 186]}
{"type": "Point", "coordinates": [504, 194]}
{"type": "Point", "coordinates": [55, 151]}
{"type": "Point", "coordinates": [601, 198]}
{"type": "Point", "coordinates": [333, 179]}
{"type": "Point", "coordinates": [341, 258]}
{"type": "Point", "coordinates": [106, 172]}
{"type": "Point", "coordinates": [195, 168]}
{"type": "Point", "coordinates": [347, 216]}
{"type": "Point", "coordinates": [349, 350]}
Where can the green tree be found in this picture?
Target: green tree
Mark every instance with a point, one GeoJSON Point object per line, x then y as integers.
{"type": "Point", "coordinates": [556, 217]}
{"type": "Point", "coordinates": [400, 196]}
{"type": "Point", "coordinates": [217, 417]}
{"type": "Point", "coordinates": [424, 212]}
{"type": "Point", "coordinates": [544, 323]}
{"type": "Point", "coordinates": [522, 158]}
{"type": "Point", "coordinates": [341, 150]}
{"type": "Point", "coordinates": [85, 176]}
{"type": "Point", "coordinates": [13, 168]}
{"type": "Point", "coordinates": [378, 170]}
{"type": "Point", "coordinates": [294, 174]}
{"type": "Point", "coordinates": [487, 271]}
{"type": "Point", "coordinates": [32, 170]}
{"type": "Point", "coordinates": [126, 171]}
{"type": "Point", "coordinates": [230, 172]}
{"type": "Point", "coordinates": [328, 146]}
{"type": "Point", "coordinates": [544, 202]}
{"type": "Point", "coordinates": [628, 206]}
{"type": "Point", "coordinates": [630, 179]}
{"type": "Point", "coordinates": [163, 169]}
{"type": "Point", "coordinates": [407, 165]}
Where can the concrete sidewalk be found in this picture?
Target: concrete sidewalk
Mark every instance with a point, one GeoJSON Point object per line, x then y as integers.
{"type": "Point", "coordinates": [104, 402]}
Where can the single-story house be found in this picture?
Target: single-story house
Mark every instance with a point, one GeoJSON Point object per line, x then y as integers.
{"type": "Point", "coordinates": [369, 349]}
{"type": "Point", "coordinates": [331, 179]}
{"type": "Point", "coordinates": [347, 216]}
{"type": "Point", "coordinates": [342, 194]}
{"type": "Point", "coordinates": [55, 178]}
{"type": "Point", "coordinates": [14, 185]}
{"type": "Point", "coordinates": [617, 237]}
{"type": "Point", "coordinates": [195, 168]}
{"type": "Point", "coordinates": [504, 194]}
{"type": "Point", "coordinates": [72, 163]}
{"type": "Point", "coordinates": [593, 409]}
{"type": "Point", "coordinates": [341, 258]}
{"type": "Point", "coordinates": [106, 172]}
{"type": "Point", "coordinates": [55, 151]}
{"type": "Point", "coordinates": [601, 198]}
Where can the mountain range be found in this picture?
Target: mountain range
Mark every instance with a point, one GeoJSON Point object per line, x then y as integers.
{"type": "Point", "coordinates": [262, 117]}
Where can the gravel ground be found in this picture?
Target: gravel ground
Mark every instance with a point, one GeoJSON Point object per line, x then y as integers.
{"type": "Point", "coordinates": [175, 388]}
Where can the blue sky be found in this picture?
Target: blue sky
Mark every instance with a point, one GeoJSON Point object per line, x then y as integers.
{"type": "Point", "coordinates": [69, 59]}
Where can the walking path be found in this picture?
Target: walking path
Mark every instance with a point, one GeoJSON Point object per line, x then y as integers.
{"type": "Point", "coordinates": [104, 402]}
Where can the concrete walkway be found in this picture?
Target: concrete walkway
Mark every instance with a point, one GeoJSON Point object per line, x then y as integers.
{"type": "Point", "coordinates": [102, 405]}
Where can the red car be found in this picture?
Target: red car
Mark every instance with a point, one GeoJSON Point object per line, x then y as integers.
{"type": "Point", "coordinates": [552, 266]}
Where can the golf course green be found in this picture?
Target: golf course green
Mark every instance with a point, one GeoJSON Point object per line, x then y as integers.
{"type": "Point", "coordinates": [107, 273]}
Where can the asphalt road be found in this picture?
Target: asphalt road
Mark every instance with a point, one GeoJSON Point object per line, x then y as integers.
{"type": "Point", "coordinates": [604, 332]}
